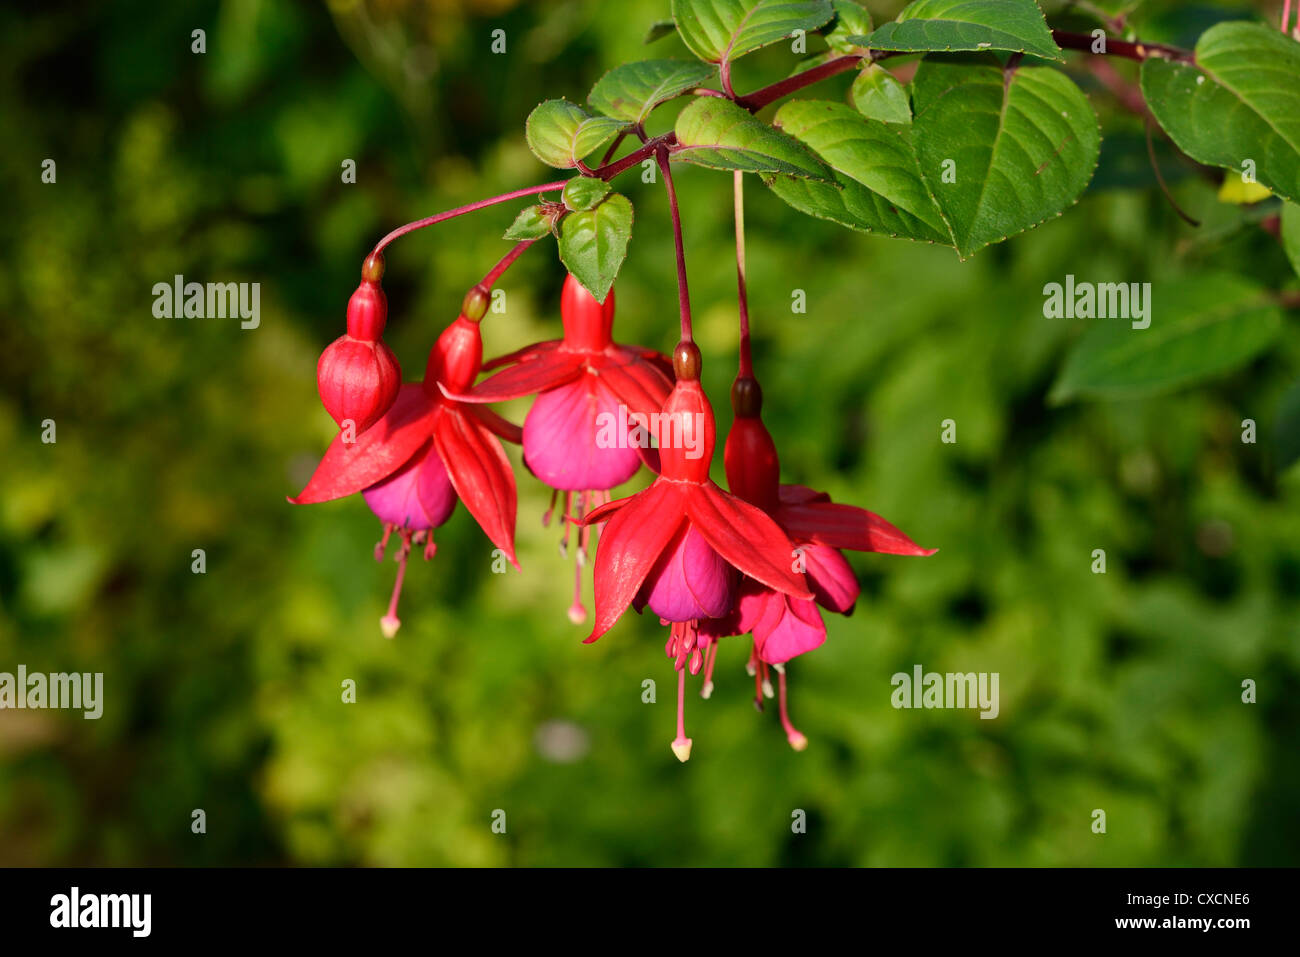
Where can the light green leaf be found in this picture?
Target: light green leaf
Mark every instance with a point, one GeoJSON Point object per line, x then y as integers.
{"type": "Point", "coordinates": [878, 96]}
{"type": "Point", "coordinates": [1000, 154]}
{"type": "Point", "coordinates": [531, 223]}
{"type": "Point", "coordinates": [952, 25]}
{"type": "Point", "coordinates": [1200, 327]}
{"type": "Point", "coordinates": [632, 90]}
{"type": "Point", "coordinates": [1239, 102]}
{"type": "Point", "coordinates": [851, 20]}
{"type": "Point", "coordinates": [561, 133]}
{"type": "Point", "coordinates": [593, 243]}
{"type": "Point", "coordinates": [878, 187]}
{"type": "Point", "coordinates": [1291, 233]}
{"type": "Point", "coordinates": [715, 132]}
{"type": "Point", "coordinates": [724, 30]}
{"type": "Point", "coordinates": [584, 192]}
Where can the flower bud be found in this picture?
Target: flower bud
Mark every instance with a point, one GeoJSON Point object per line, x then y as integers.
{"type": "Point", "coordinates": [367, 311]}
{"type": "Point", "coordinates": [358, 380]}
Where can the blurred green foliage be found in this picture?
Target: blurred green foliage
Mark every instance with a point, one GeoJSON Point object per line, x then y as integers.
{"type": "Point", "coordinates": [1119, 691]}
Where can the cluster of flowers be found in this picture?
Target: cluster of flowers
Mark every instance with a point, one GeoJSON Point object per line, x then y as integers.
{"type": "Point", "coordinates": [757, 560]}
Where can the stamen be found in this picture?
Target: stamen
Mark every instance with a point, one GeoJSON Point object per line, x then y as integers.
{"type": "Point", "coordinates": [767, 683]}
{"type": "Point", "coordinates": [577, 613]}
{"type": "Point", "coordinates": [382, 545]}
{"type": "Point", "coordinates": [681, 744]}
{"type": "Point", "coordinates": [546, 516]}
{"type": "Point", "coordinates": [710, 656]}
{"type": "Point", "coordinates": [792, 734]}
{"type": "Point", "coordinates": [564, 542]}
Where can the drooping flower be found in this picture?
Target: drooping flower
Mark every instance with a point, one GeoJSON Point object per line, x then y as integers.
{"type": "Point", "coordinates": [357, 375]}
{"type": "Point", "coordinates": [423, 455]}
{"type": "Point", "coordinates": [679, 545]}
{"type": "Point", "coordinates": [783, 625]}
{"type": "Point", "coordinates": [585, 432]}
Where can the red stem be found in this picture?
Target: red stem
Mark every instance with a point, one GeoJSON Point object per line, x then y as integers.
{"type": "Point", "coordinates": [683, 293]}
{"type": "Point", "coordinates": [746, 370]}
{"type": "Point", "coordinates": [760, 98]}
{"type": "Point", "coordinates": [506, 261]}
{"type": "Point", "coordinates": [462, 210]}
{"type": "Point", "coordinates": [1122, 48]}
{"type": "Point", "coordinates": [651, 147]}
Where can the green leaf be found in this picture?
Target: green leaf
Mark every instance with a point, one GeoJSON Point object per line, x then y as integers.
{"type": "Point", "coordinates": [658, 30]}
{"type": "Point", "coordinates": [1291, 233]}
{"type": "Point", "coordinates": [1288, 428]}
{"type": "Point", "coordinates": [720, 31]}
{"type": "Point", "coordinates": [878, 96]}
{"type": "Point", "coordinates": [593, 243]}
{"type": "Point", "coordinates": [1201, 327]}
{"type": "Point", "coordinates": [632, 90]}
{"type": "Point", "coordinates": [584, 192]}
{"type": "Point", "coordinates": [851, 20]}
{"type": "Point", "coordinates": [715, 132]}
{"type": "Point", "coordinates": [878, 187]}
{"type": "Point", "coordinates": [1240, 101]}
{"type": "Point", "coordinates": [531, 223]}
{"type": "Point", "coordinates": [561, 133]}
{"type": "Point", "coordinates": [1000, 153]}
{"type": "Point", "coordinates": [952, 25]}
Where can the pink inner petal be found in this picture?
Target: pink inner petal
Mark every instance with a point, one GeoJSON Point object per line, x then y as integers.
{"type": "Point", "coordinates": [575, 438]}
{"type": "Point", "coordinates": [797, 627]}
{"type": "Point", "coordinates": [418, 496]}
{"type": "Point", "coordinates": [689, 581]}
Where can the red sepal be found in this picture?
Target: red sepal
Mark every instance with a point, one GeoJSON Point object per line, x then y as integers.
{"type": "Point", "coordinates": [745, 537]}
{"type": "Point", "coordinates": [480, 473]}
{"type": "Point", "coordinates": [846, 526]}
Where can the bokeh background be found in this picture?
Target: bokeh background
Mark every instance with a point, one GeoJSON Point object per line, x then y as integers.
{"type": "Point", "coordinates": [1119, 691]}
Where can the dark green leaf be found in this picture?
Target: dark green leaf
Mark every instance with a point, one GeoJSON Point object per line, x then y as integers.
{"type": "Point", "coordinates": [878, 96]}
{"type": "Point", "coordinates": [878, 188]}
{"type": "Point", "coordinates": [725, 30]}
{"type": "Point", "coordinates": [953, 25]}
{"type": "Point", "coordinates": [658, 30]}
{"type": "Point", "coordinates": [1291, 233]}
{"type": "Point", "coordinates": [632, 90]}
{"type": "Point", "coordinates": [1288, 428]}
{"type": "Point", "coordinates": [1239, 102]}
{"type": "Point", "coordinates": [561, 133]}
{"type": "Point", "coordinates": [1201, 327]}
{"type": "Point", "coordinates": [716, 132]}
{"type": "Point", "coordinates": [1000, 153]}
{"type": "Point", "coordinates": [593, 243]}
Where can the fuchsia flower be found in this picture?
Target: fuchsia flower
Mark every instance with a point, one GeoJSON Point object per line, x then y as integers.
{"type": "Point", "coordinates": [784, 625]}
{"type": "Point", "coordinates": [582, 435]}
{"type": "Point", "coordinates": [357, 375]}
{"type": "Point", "coordinates": [426, 452]}
{"type": "Point", "coordinates": [678, 545]}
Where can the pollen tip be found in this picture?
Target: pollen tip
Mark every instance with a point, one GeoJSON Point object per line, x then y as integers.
{"type": "Point", "coordinates": [797, 740]}
{"type": "Point", "coordinates": [682, 748]}
{"type": "Point", "coordinates": [389, 625]}
{"type": "Point", "coordinates": [707, 691]}
{"type": "Point", "coordinates": [767, 688]}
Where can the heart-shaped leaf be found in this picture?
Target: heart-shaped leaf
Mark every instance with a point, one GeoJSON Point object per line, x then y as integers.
{"type": "Point", "coordinates": [878, 187]}
{"type": "Point", "coordinates": [1238, 106]}
{"type": "Point", "coordinates": [937, 26]}
{"type": "Point", "coordinates": [561, 133]}
{"type": "Point", "coordinates": [715, 132]}
{"type": "Point", "coordinates": [632, 90]}
{"type": "Point", "coordinates": [878, 96]}
{"type": "Point", "coordinates": [851, 20]}
{"type": "Point", "coordinates": [719, 31]}
{"type": "Point", "coordinates": [593, 243]}
{"type": "Point", "coordinates": [1203, 326]}
{"type": "Point", "coordinates": [1000, 150]}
